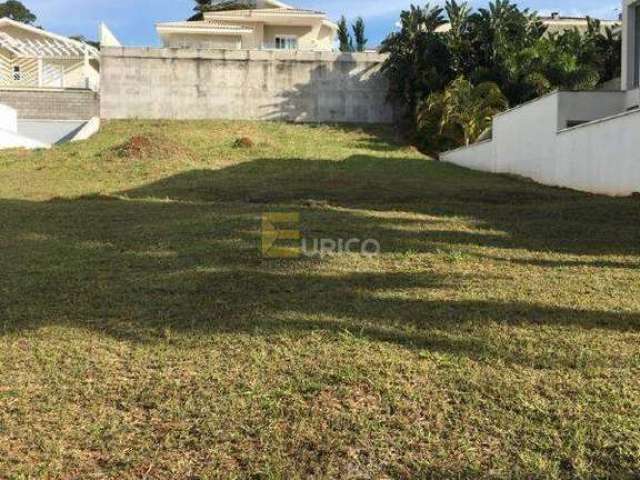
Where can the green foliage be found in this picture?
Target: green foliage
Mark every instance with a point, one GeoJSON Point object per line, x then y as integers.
{"type": "Point", "coordinates": [344, 37]}
{"type": "Point", "coordinates": [15, 10]}
{"type": "Point", "coordinates": [359, 35]}
{"type": "Point", "coordinates": [459, 37]}
{"type": "Point", "coordinates": [462, 112]}
{"type": "Point", "coordinates": [501, 44]}
{"type": "Point", "coordinates": [419, 60]}
{"type": "Point", "coordinates": [219, 6]}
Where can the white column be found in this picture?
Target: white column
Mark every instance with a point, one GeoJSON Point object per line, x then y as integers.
{"type": "Point", "coordinates": [40, 72]}
{"type": "Point", "coordinates": [86, 69]}
{"type": "Point", "coordinates": [629, 47]}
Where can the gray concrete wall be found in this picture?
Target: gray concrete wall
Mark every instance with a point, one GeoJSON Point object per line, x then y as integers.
{"type": "Point", "coordinates": [52, 104]}
{"type": "Point", "coordinates": [243, 85]}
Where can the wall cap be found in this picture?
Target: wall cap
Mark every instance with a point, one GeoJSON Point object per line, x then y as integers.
{"type": "Point", "coordinates": [241, 55]}
{"type": "Point", "coordinates": [599, 120]}
{"type": "Point", "coordinates": [466, 147]}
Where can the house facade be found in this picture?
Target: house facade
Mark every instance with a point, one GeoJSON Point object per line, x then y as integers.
{"type": "Point", "coordinates": [581, 140]}
{"type": "Point", "coordinates": [32, 58]}
{"type": "Point", "coordinates": [262, 25]}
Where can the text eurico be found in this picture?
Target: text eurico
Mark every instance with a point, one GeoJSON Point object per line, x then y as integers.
{"type": "Point", "coordinates": [282, 238]}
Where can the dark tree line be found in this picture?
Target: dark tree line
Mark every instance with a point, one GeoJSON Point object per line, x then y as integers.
{"type": "Point", "coordinates": [15, 10]}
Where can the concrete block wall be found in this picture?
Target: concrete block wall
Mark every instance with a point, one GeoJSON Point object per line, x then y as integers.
{"type": "Point", "coordinates": [243, 85]}
{"type": "Point", "coordinates": [52, 104]}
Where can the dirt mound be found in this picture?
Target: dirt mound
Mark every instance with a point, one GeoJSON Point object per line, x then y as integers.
{"type": "Point", "coordinates": [244, 142]}
{"type": "Point", "coordinates": [146, 146]}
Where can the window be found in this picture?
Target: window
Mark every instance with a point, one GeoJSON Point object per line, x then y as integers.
{"type": "Point", "coordinates": [286, 43]}
{"type": "Point", "coordinates": [17, 74]}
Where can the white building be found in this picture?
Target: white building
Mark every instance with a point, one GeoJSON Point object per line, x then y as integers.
{"type": "Point", "coordinates": [262, 25]}
{"type": "Point", "coordinates": [48, 87]}
{"type": "Point", "coordinates": [34, 58]}
{"type": "Point", "coordinates": [587, 141]}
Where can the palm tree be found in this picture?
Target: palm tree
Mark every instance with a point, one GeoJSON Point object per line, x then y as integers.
{"type": "Point", "coordinates": [465, 111]}
{"type": "Point", "coordinates": [609, 46]}
{"type": "Point", "coordinates": [459, 37]}
{"type": "Point", "coordinates": [419, 61]}
{"type": "Point", "coordinates": [570, 60]}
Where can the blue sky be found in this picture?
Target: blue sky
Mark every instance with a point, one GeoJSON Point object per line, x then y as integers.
{"type": "Point", "coordinates": [133, 20]}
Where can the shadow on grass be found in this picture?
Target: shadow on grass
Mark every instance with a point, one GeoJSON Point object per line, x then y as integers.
{"type": "Point", "coordinates": [525, 215]}
{"type": "Point", "coordinates": [135, 268]}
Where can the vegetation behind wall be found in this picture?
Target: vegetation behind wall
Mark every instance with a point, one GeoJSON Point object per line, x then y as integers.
{"type": "Point", "coordinates": [501, 45]}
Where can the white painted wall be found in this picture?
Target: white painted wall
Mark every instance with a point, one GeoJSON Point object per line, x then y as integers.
{"type": "Point", "coordinates": [13, 140]}
{"type": "Point", "coordinates": [106, 37]}
{"type": "Point", "coordinates": [527, 133]}
{"type": "Point", "coordinates": [480, 156]}
{"type": "Point", "coordinates": [633, 98]}
{"type": "Point", "coordinates": [589, 106]}
{"type": "Point", "coordinates": [16, 133]}
{"type": "Point", "coordinates": [87, 131]}
{"type": "Point", "coordinates": [8, 118]}
{"type": "Point", "coordinates": [602, 156]}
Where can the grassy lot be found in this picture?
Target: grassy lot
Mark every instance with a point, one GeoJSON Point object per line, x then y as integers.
{"type": "Point", "coordinates": [142, 334]}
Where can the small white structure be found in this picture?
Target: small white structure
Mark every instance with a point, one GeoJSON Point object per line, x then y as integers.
{"type": "Point", "coordinates": [34, 58]}
{"type": "Point", "coordinates": [34, 134]}
{"type": "Point", "coordinates": [106, 38]}
{"type": "Point", "coordinates": [9, 136]}
{"type": "Point", "coordinates": [262, 25]}
{"type": "Point", "coordinates": [587, 141]}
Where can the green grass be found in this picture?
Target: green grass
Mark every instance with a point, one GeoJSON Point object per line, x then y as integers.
{"type": "Point", "coordinates": [142, 335]}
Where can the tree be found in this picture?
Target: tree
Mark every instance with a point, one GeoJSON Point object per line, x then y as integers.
{"type": "Point", "coordinates": [568, 61]}
{"type": "Point", "coordinates": [463, 111]}
{"type": "Point", "coordinates": [500, 34]}
{"type": "Point", "coordinates": [459, 37]}
{"type": "Point", "coordinates": [419, 61]}
{"type": "Point", "coordinates": [602, 47]}
{"type": "Point", "coordinates": [218, 6]}
{"type": "Point", "coordinates": [359, 34]}
{"type": "Point", "coordinates": [501, 46]}
{"type": "Point", "coordinates": [15, 10]}
{"type": "Point", "coordinates": [609, 46]}
{"type": "Point", "coordinates": [83, 39]}
{"type": "Point", "coordinates": [344, 37]}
